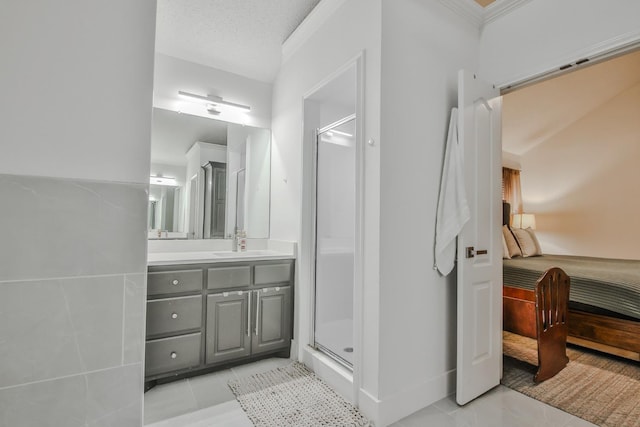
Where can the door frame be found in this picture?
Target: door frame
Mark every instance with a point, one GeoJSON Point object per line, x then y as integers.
{"type": "Point", "coordinates": [304, 300]}
{"type": "Point", "coordinates": [601, 52]}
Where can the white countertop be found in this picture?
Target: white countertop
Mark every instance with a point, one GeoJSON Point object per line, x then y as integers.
{"type": "Point", "coordinates": [199, 257]}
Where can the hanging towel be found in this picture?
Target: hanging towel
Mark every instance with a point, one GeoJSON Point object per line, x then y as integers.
{"type": "Point", "coordinates": [453, 210]}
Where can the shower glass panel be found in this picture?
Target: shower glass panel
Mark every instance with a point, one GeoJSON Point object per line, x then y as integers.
{"type": "Point", "coordinates": [335, 240]}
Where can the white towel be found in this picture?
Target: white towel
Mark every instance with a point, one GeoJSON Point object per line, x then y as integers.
{"type": "Point", "coordinates": [453, 210]}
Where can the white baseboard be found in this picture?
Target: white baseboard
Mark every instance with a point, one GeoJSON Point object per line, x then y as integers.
{"type": "Point", "coordinates": [393, 408]}
{"type": "Point", "coordinates": [335, 375]}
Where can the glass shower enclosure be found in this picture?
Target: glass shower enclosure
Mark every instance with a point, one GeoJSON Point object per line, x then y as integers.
{"type": "Point", "coordinates": [335, 239]}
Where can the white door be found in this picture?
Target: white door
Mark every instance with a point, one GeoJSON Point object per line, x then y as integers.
{"type": "Point", "coordinates": [479, 365]}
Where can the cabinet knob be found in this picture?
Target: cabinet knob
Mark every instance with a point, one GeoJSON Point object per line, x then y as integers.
{"type": "Point", "coordinates": [175, 282]}
{"type": "Point", "coordinates": [174, 354]}
{"type": "Point", "coordinates": [174, 315]}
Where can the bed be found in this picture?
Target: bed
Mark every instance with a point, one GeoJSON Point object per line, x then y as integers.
{"type": "Point", "coordinates": [604, 301]}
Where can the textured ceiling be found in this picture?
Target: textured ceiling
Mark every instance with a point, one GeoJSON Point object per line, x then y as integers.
{"type": "Point", "coordinates": [535, 113]}
{"type": "Point", "coordinates": [240, 36]}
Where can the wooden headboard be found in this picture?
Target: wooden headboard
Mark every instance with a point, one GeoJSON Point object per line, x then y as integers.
{"type": "Point", "coordinates": [506, 213]}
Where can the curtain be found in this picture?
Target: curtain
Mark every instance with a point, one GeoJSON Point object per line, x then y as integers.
{"type": "Point", "coordinates": [511, 192]}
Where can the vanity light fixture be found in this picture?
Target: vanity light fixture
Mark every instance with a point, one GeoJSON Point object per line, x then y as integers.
{"type": "Point", "coordinates": [213, 100]}
{"type": "Point", "coordinates": [211, 109]}
{"type": "Point", "coordinates": [161, 180]}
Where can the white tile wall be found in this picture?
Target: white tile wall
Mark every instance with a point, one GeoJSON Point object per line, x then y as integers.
{"type": "Point", "coordinates": [67, 228]}
{"type": "Point", "coordinates": [72, 293]}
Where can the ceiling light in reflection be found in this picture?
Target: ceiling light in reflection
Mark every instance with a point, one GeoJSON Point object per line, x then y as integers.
{"type": "Point", "coordinates": [161, 180]}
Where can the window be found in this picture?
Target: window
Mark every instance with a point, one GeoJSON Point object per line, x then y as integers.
{"type": "Point", "coordinates": [511, 192]}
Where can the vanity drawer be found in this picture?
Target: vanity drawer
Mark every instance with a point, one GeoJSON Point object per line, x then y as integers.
{"type": "Point", "coordinates": [272, 273]}
{"type": "Point", "coordinates": [172, 354]}
{"type": "Point", "coordinates": [229, 277]}
{"type": "Point", "coordinates": [173, 315]}
{"type": "Point", "coordinates": [171, 282]}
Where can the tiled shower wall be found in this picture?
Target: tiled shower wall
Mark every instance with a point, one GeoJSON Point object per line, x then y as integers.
{"type": "Point", "coordinates": [72, 290]}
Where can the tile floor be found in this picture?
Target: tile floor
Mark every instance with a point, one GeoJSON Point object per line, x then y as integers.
{"type": "Point", "coordinates": [201, 397]}
{"type": "Point", "coordinates": [206, 401]}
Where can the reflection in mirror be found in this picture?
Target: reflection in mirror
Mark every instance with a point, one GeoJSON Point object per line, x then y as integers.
{"type": "Point", "coordinates": [215, 196]}
{"type": "Point", "coordinates": [164, 208]}
{"type": "Point", "coordinates": [221, 178]}
{"type": "Point", "coordinates": [249, 176]}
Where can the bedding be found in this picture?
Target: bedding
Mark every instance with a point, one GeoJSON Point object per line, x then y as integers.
{"type": "Point", "coordinates": [527, 241]}
{"type": "Point", "coordinates": [608, 284]}
{"type": "Point", "coordinates": [510, 241]}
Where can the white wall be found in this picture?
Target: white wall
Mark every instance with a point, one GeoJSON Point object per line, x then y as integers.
{"type": "Point", "coordinates": [258, 177]}
{"type": "Point", "coordinates": [582, 183]}
{"type": "Point", "coordinates": [353, 29]}
{"type": "Point", "coordinates": [423, 47]}
{"type": "Point", "coordinates": [76, 83]}
{"type": "Point", "coordinates": [173, 74]}
{"type": "Point", "coordinates": [542, 35]}
{"type": "Point", "coordinates": [172, 171]}
{"type": "Point", "coordinates": [408, 318]}
{"type": "Point", "coordinates": [56, 103]}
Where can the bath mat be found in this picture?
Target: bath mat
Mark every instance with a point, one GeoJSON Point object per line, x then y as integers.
{"type": "Point", "coordinates": [599, 388]}
{"type": "Point", "coordinates": [293, 396]}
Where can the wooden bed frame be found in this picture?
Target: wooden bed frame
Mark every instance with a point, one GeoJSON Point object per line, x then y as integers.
{"type": "Point", "coordinates": [542, 314]}
{"type": "Point", "coordinates": [620, 337]}
{"type": "Point", "coordinates": [611, 335]}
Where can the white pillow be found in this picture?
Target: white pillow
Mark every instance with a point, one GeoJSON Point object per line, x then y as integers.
{"type": "Point", "coordinates": [528, 245]}
{"type": "Point", "coordinates": [535, 240]}
{"type": "Point", "coordinates": [505, 249]}
{"type": "Point", "coordinates": [512, 245]}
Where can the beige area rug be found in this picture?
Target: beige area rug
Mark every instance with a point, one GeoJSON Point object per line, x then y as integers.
{"type": "Point", "coordinates": [293, 396]}
{"type": "Point", "coordinates": [601, 389]}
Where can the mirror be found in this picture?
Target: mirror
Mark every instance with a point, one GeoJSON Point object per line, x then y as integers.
{"type": "Point", "coordinates": [209, 178]}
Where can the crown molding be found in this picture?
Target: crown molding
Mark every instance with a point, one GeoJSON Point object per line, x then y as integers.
{"type": "Point", "coordinates": [477, 15]}
{"type": "Point", "coordinates": [309, 26]}
{"type": "Point", "coordinates": [500, 8]}
{"type": "Point", "coordinates": [469, 10]}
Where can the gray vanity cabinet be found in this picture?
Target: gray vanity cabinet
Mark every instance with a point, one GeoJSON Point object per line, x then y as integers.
{"type": "Point", "coordinates": [204, 316]}
{"type": "Point", "coordinates": [172, 354]}
{"type": "Point", "coordinates": [272, 328]}
{"type": "Point", "coordinates": [228, 326]}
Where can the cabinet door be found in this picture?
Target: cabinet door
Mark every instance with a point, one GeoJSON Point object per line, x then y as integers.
{"type": "Point", "coordinates": [228, 326]}
{"type": "Point", "coordinates": [273, 319]}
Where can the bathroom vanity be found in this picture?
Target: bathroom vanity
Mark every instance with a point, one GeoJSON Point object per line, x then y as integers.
{"type": "Point", "coordinates": [206, 310]}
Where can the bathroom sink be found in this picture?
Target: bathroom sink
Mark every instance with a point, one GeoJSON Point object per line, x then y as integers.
{"type": "Point", "coordinates": [195, 257]}
{"type": "Point", "coordinates": [230, 254]}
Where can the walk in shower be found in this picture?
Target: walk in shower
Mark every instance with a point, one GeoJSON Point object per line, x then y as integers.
{"type": "Point", "coordinates": [335, 239]}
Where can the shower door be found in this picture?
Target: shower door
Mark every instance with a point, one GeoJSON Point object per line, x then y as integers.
{"type": "Point", "coordinates": [335, 239]}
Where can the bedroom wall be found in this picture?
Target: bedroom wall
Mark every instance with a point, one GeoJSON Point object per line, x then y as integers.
{"type": "Point", "coordinates": [582, 183]}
